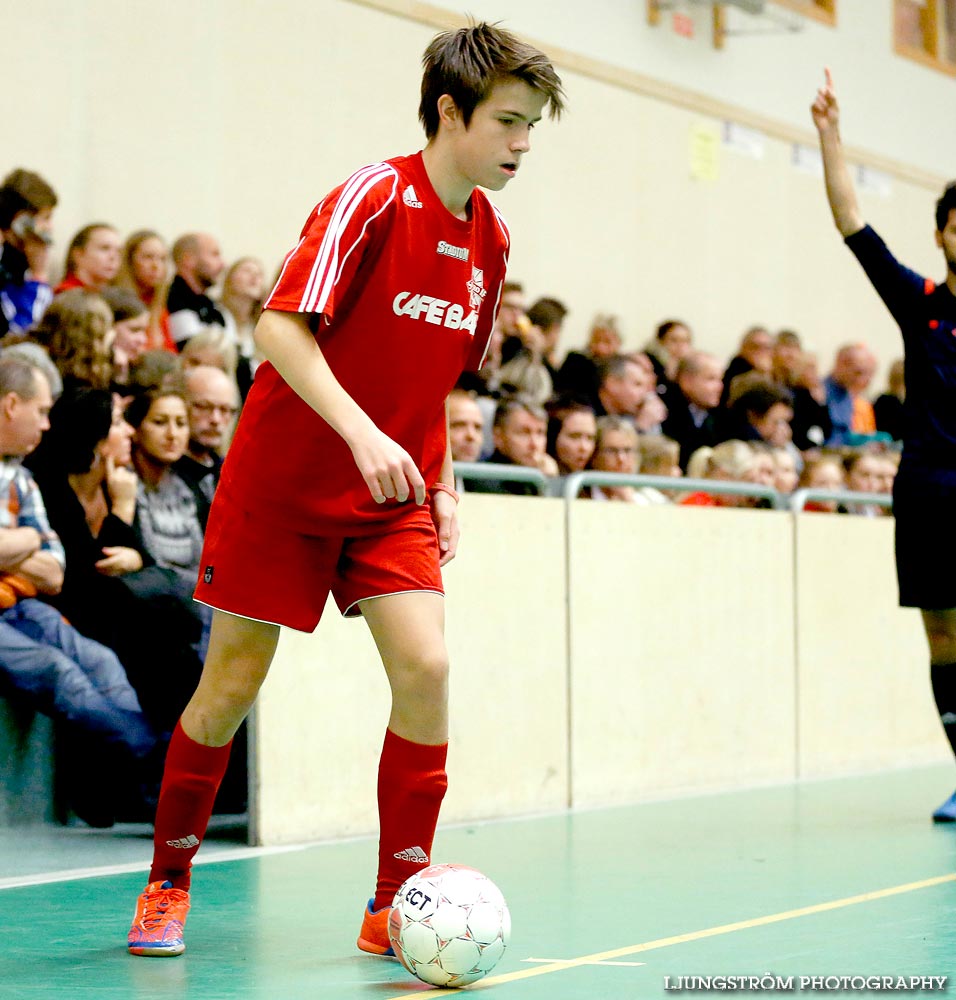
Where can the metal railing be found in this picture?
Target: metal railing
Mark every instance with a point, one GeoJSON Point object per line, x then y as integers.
{"type": "Point", "coordinates": [800, 498]}
{"type": "Point", "coordinates": [570, 487]}
{"type": "Point", "coordinates": [577, 481]}
{"type": "Point", "coordinates": [489, 472]}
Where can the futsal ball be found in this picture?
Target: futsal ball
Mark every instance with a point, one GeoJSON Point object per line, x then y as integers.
{"type": "Point", "coordinates": [449, 925]}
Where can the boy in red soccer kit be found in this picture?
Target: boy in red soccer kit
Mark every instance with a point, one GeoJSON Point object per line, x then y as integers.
{"type": "Point", "coordinates": [339, 478]}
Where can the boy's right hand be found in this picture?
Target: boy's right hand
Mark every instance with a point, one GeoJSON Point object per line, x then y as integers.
{"type": "Point", "coordinates": [388, 470]}
{"type": "Point", "coordinates": [825, 108]}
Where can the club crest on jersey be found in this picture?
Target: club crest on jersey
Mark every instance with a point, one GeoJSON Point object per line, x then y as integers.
{"type": "Point", "coordinates": [438, 312]}
{"type": "Point", "coordinates": [410, 198]}
{"type": "Point", "coordinates": [476, 288]}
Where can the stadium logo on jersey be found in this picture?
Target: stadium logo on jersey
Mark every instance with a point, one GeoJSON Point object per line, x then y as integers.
{"type": "Point", "coordinates": [410, 198]}
{"type": "Point", "coordinates": [476, 288]}
{"type": "Point", "coordinates": [439, 312]}
{"type": "Point", "coordinates": [461, 253]}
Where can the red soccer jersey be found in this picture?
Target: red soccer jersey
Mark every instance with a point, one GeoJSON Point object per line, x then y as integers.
{"type": "Point", "coordinates": [406, 295]}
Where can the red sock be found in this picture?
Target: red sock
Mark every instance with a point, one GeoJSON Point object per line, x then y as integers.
{"type": "Point", "coordinates": [411, 786]}
{"type": "Point", "coordinates": [190, 781]}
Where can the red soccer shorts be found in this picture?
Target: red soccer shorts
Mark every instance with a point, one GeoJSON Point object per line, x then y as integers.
{"type": "Point", "coordinates": [257, 568]}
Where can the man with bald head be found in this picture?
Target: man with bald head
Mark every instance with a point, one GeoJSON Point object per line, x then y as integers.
{"type": "Point", "coordinates": [693, 404]}
{"type": "Point", "coordinates": [212, 403]}
{"type": "Point", "coordinates": [198, 261]}
{"type": "Point", "coordinates": [850, 411]}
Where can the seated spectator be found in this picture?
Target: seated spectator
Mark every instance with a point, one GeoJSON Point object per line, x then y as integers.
{"type": "Point", "coordinates": [763, 472]}
{"type": "Point", "coordinates": [822, 472]}
{"type": "Point", "coordinates": [520, 435]}
{"type": "Point", "coordinates": [889, 466]}
{"type": "Point", "coordinates": [512, 315]}
{"type": "Point", "coordinates": [863, 473]}
{"type": "Point", "coordinates": [465, 428]}
{"type": "Point", "coordinates": [167, 515]}
{"type": "Point", "coordinates": [785, 470]}
{"type": "Point", "coordinates": [26, 220]}
{"type": "Point", "coordinates": [730, 461]}
{"type": "Point", "coordinates": [525, 376]}
{"type": "Point", "coordinates": [130, 332]}
{"type": "Point", "coordinates": [672, 342]}
{"type": "Point", "coordinates": [787, 358]}
{"type": "Point", "coordinates": [755, 353]}
{"type": "Point", "coordinates": [693, 403]}
{"type": "Point", "coordinates": [578, 377]}
{"type": "Point", "coordinates": [616, 450]}
{"type": "Point", "coordinates": [152, 370]}
{"type": "Point", "coordinates": [212, 402]}
{"type": "Point", "coordinates": [851, 414]}
{"type": "Point", "coordinates": [198, 262]}
{"type": "Point", "coordinates": [652, 411]}
{"type": "Point", "coordinates": [623, 385]}
{"type": "Point", "coordinates": [145, 271]}
{"type": "Point", "coordinates": [112, 591]}
{"type": "Point", "coordinates": [209, 346]}
{"type": "Point", "coordinates": [92, 259]}
{"type": "Point", "coordinates": [572, 433]}
{"type": "Point", "coordinates": [43, 660]}
{"type": "Point", "coordinates": [811, 424]}
{"type": "Point", "coordinates": [76, 331]}
{"type": "Point", "coordinates": [548, 316]}
{"type": "Point", "coordinates": [888, 408]}
{"type": "Point", "coordinates": [759, 410]}
{"type": "Point", "coordinates": [658, 455]}
{"type": "Point", "coordinates": [243, 292]}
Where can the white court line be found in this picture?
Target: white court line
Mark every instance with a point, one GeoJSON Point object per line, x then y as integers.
{"type": "Point", "coordinates": [74, 874]}
{"type": "Point", "coordinates": [547, 961]}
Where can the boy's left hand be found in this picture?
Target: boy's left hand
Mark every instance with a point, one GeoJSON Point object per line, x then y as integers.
{"type": "Point", "coordinates": [445, 516]}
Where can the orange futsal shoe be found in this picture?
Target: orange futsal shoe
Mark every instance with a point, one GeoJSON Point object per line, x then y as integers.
{"type": "Point", "coordinates": [158, 924]}
{"type": "Point", "coordinates": [373, 938]}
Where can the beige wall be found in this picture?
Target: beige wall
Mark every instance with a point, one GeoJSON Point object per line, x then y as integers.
{"type": "Point", "coordinates": [865, 699]}
{"type": "Point", "coordinates": [323, 710]}
{"type": "Point", "coordinates": [707, 649]}
{"type": "Point", "coordinates": [237, 118]}
{"type": "Point", "coordinates": [682, 657]}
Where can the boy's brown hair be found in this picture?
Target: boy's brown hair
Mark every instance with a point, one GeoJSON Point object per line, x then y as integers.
{"type": "Point", "coordinates": [467, 63]}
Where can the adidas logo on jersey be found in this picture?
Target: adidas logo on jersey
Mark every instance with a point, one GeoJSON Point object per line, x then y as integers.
{"type": "Point", "coordinates": [185, 842]}
{"type": "Point", "coordinates": [415, 854]}
{"type": "Point", "coordinates": [410, 198]}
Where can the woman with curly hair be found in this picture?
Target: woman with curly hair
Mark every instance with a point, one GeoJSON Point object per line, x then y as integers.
{"type": "Point", "coordinates": [76, 331]}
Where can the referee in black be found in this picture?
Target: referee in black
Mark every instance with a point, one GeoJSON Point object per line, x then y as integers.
{"type": "Point", "coordinates": [924, 493]}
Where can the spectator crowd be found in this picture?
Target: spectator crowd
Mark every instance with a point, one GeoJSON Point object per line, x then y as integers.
{"type": "Point", "coordinates": [122, 375]}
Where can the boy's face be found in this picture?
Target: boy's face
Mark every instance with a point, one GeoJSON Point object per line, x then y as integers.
{"type": "Point", "coordinates": [488, 151]}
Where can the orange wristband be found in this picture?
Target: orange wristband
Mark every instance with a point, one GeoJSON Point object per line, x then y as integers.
{"type": "Point", "coordinates": [444, 488]}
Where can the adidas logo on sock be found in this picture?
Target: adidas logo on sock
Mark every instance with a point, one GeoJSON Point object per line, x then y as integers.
{"type": "Point", "coordinates": [415, 854]}
{"type": "Point", "coordinates": [185, 842]}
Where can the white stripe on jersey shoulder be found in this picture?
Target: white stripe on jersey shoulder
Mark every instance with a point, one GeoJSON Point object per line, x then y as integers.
{"type": "Point", "coordinates": [502, 225]}
{"type": "Point", "coordinates": [325, 268]}
{"type": "Point", "coordinates": [501, 285]}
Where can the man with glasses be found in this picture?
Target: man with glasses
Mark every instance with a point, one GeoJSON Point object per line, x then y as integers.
{"type": "Point", "coordinates": [212, 400]}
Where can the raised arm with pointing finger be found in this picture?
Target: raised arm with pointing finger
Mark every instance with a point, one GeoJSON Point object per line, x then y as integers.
{"type": "Point", "coordinates": [826, 116]}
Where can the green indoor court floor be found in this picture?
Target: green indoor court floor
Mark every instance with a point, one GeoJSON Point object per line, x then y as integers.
{"type": "Point", "coordinates": [824, 879]}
